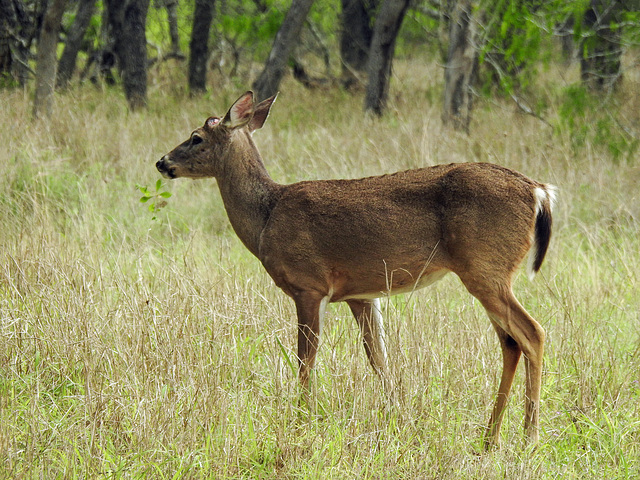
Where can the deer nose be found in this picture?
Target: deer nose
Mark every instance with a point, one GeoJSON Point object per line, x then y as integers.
{"type": "Point", "coordinates": [163, 168]}
{"type": "Point", "coordinates": [163, 163]}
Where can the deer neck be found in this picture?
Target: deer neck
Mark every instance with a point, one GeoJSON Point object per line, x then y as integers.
{"type": "Point", "coordinates": [248, 192]}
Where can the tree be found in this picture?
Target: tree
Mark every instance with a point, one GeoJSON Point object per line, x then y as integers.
{"type": "Point", "coordinates": [16, 34]}
{"type": "Point", "coordinates": [269, 79]}
{"type": "Point", "coordinates": [47, 60]}
{"type": "Point", "coordinates": [127, 20]}
{"type": "Point", "coordinates": [383, 44]}
{"type": "Point", "coordinates": [460, 69]}
{"type": "Point", "coordinates": [600, 64]}
{"type": "Point", "coordinates": [67, 64]}
{"type": "Point", "coordinates": [356, 21]}
{"type": "Point", "coordinates": [199, 46]}
{"type": "Point", "coordinates": [172, 17]}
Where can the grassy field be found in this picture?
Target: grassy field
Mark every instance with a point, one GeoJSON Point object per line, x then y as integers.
{"type": "Point", "coordinates": [153, 345]}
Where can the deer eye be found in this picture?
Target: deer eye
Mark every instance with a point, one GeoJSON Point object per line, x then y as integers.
{"type": "Point", "coordinates": [196, 139]}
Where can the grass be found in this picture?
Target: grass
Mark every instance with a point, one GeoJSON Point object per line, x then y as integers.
{"type": "Point", "coordinates": [133, 347]}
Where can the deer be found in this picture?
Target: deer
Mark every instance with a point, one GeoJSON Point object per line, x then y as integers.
{"type": "Point", "coordinates": [359, 240]}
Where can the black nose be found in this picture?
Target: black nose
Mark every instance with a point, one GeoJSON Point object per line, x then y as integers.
{"type": "Point", "coordinates": [164, 168]}
{"type": "Point", "coordinates": [163, 165]}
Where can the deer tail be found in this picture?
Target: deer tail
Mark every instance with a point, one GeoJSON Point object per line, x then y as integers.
{"type": "Point", "coordinates": [545, 199]}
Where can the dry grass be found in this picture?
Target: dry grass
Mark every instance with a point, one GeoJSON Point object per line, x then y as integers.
{"type": "Point", "coordinates": [133, 347]}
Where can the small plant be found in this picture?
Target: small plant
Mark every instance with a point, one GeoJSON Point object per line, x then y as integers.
{"type": "Point", "coordinates": [155, 199]}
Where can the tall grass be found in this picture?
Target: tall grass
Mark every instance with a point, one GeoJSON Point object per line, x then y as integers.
{"type": "Point", "coordinates": [134, 347]}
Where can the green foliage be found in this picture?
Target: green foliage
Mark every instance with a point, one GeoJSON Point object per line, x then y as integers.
{"type": "Point", "coordinates": [158, 25]}
{"type": "Point", "coordinates": [626, 18]}
{"type": "Point", "coordinates": [7, 81]}
{"type": "Point", "coordinates": [513, 43]}
{"type": "Point", "coordinates": [155, 200]}
{"type": "Point", "coordinates": [324, 17]}
{"type": "Point", "coordinates": [588, 119]}
{"type": "Point", "coordinates": [417, 29]}
{"type": "Point", "coordinates": [631, 22]}
{"type": "Point", "coordinates": [245, 26]}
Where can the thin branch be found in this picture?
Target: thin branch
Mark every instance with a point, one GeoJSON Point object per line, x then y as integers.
{"type": "Point", "coordinates": [518, 101]}
{"type": "Point", "coordinates": [527, 110]}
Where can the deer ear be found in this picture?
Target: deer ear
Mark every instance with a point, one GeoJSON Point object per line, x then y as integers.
{"type": "Point", "coordinates": [261, 112]}
{"type": "Point", "coordinates": [240, 112]}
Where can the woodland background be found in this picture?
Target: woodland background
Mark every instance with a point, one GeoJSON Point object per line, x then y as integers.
{"type": "Point", "coordinates": [139, 338]}
{"type": "Point", "coordinates": [491, 47]}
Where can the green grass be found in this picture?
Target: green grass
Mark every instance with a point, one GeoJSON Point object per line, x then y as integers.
{"type": "Point", "coordinates": [134, 347]}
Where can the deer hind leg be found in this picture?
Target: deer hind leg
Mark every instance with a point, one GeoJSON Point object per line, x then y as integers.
{"type": "Point", "coordinates": [512, 320]}
{"type": "Point", "coordinates": [369, 318]}
{"type": "Point", "coordinates": [510, 357]}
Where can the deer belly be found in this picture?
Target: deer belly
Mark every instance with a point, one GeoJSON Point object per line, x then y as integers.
{"type": "Point", "coordinates": [393, 286]}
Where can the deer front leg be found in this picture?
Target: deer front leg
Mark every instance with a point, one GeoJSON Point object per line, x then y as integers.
{"type": "Point", "coordinates": [310, 309]}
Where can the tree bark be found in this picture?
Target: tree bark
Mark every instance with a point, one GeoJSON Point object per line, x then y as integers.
{"type": "Point", "coordinates": [127, 19]}
{"type": "Point", "coordinates": [46, 59]}
{"type": "Point", "coordinates": [356, 33]}
{"type": "Point", "coordinates": [172, 17]}
{"type": "Point", "coordinates": [600, 65]}
{"type": "Point", "coordinates": [15, 27]}
{"type": "Point", "coordinates": [134, 37]}
{"type": "Point", "coordinates": [269, 80]}
{"type": "Point", "coordinates": [566, 40]}
{"type": "Point", "coordinates": [199, 46]}
{"type": "Point", "coordinates": [383, 44]}
{"type": "Point", "coordinates": [460, 69]}
{"type": "Point", "coordinates": [67, 64]}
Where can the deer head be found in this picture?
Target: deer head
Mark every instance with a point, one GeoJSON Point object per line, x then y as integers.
{"type": "Point", "coordinates": [210, 147]}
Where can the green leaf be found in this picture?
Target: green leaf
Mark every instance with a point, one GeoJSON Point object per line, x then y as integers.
{"type": "Point", "coordinates": [286, 356]}
{"type": "Point", "coordinates": [165, 194]}
{"type": "Point", "coordinates": [145, 199]}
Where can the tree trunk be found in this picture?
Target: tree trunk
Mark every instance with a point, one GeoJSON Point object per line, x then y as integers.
{"type": "Point", "coordinates": [172, 17]}
{"type": "Point", "coordinates": [199, 46]}
{"type": "Point", "coordinates": [67, 64]}
{"type": "Point", "coordinates": [460, 69]}
{"type": "Point", "coordinates": [385, 32]}
{"type": "Point", "coordinates": [15, 26]}
{"type": "Point", "coordinates": [46, 59]}
{"type": "Point", "coordinates": [566, 40]}
{"type": "Point", "coordinates": [134, 37]}
{"type": "Point", "coordinates": [600, 65]}
{"type": "Point", "coordinates": [269, 80]}
{"type": "Point", "coordinates": [127, 19]}
{"type": "Point", "coordinates": [356, 33]}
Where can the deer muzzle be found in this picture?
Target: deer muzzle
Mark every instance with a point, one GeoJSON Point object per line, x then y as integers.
{"type": "Point", "coordinates": [165, 168]}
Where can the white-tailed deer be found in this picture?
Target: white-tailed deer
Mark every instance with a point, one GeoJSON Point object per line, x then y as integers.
{"type": "Point", "coordinates": [355, 241]}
